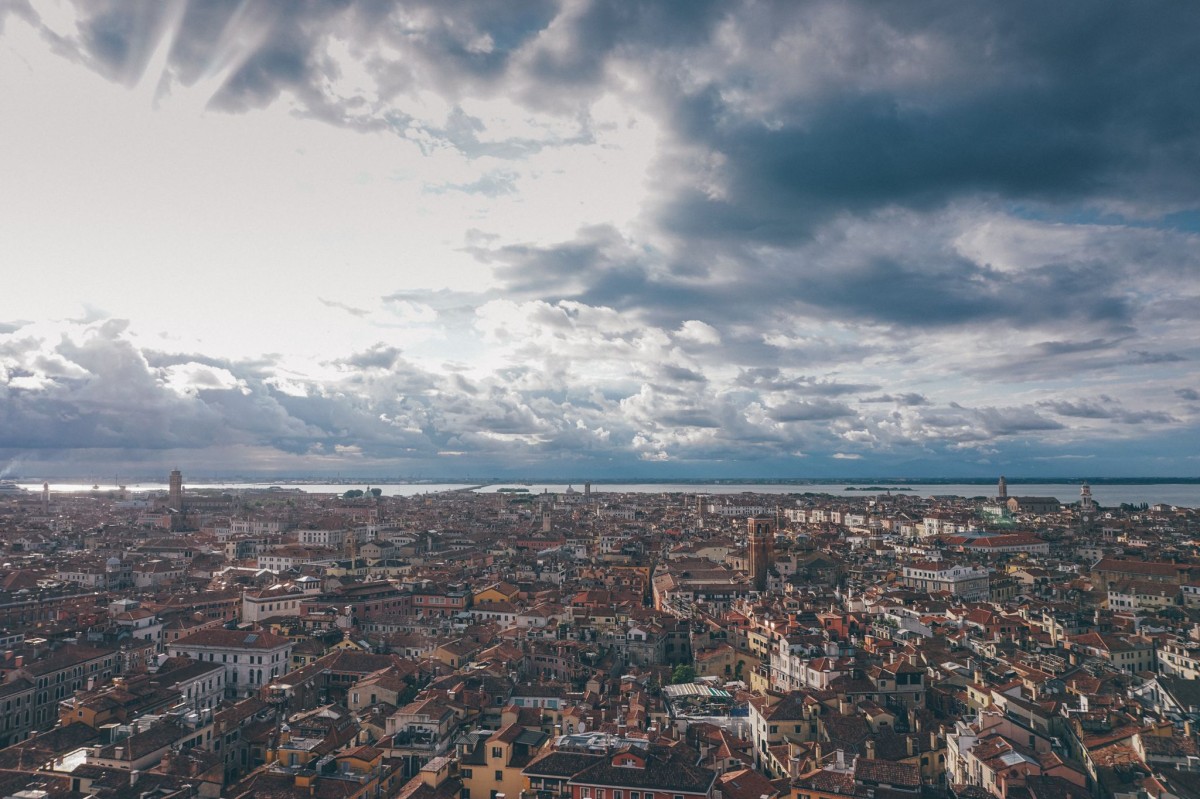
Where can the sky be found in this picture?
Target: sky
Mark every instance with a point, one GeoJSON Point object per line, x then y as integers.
{"type": "Point", "coordinates": [599, 238]}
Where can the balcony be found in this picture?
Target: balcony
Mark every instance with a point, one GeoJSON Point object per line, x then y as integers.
{"type": "Point", "coordinates": [417, 739]}
{"type": "Point", "coordinates": [532, 794]}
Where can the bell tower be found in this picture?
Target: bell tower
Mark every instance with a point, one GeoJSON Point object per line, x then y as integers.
{"type": "Point", "coordinates": [760, 543]}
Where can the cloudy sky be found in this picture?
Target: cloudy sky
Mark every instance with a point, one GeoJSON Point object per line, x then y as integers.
{"type": "Point", "coordinates": [599, 238]}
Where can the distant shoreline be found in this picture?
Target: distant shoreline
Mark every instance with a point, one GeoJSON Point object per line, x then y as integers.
{"type": "Point", "coordinates": [875, 483]}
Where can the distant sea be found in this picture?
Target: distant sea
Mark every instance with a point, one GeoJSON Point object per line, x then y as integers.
{"type": "Point", "coordinates": [1106, 494]}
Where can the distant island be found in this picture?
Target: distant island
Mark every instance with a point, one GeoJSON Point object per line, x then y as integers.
{"type": "Point", "coordinates": [877, 488]}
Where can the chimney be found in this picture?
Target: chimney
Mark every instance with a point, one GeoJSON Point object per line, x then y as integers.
{"type": "Point", "coordinates": [911, 743]}
{"type": "Point", "coordinates": [133, 777]}
{"type": "Point", "coordinates": [19, 661]}
{"type": "Point", "coordinates": [119, 753]}
{"type": "Point", "coordinates": [933, 740]}
{"type": "Point", "coordinates": [870, 749]}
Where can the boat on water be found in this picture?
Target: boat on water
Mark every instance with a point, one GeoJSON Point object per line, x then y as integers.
{"type": "Point", "coordinates": [10, 488]}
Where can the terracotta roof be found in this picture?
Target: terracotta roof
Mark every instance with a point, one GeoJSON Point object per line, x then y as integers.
{"type": "Point", "coordinates": [219, 637]}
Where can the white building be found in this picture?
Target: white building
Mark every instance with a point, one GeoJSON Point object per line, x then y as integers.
{"type": "Point", "coordinates": [256, 527]}
{"type": "Point", "coordinates": [731, 511]}
{"type": "Point", "coordinates": [251, 659]}
{"type": "Point", "coordinates": [201, 684]}
{"type": "Point", "coordinates": [289, 557]}
{"type": "Point", "coordinates": [969, 582]}
{"type": "Point", "coordinates": [281, 599]}
{"type": "Point", "coordinates": [1180, 658]}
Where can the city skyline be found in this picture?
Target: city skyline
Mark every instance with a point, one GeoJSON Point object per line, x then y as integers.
{"type": "Point", "coordinates": [599, 239]}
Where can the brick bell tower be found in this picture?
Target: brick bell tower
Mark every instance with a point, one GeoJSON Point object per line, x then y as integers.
{"type": "Point", "coordinates": [761, 546]}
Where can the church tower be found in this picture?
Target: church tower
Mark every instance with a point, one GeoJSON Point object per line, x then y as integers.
{"type": "Point", "coordinates": [175, 491]}
{"type": "Point", "coordinates": [761, 546]}
{"type": "Point", "coordinates": [1002, 489]}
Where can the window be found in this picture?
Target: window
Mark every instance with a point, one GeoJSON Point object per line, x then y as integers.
{"type": "Point", "coordinates": [499, 776]}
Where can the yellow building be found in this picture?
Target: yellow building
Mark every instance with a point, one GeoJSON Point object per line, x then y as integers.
{"type": "Point", "coordinates": [492, 763]}
{"type": "Point", "coordinates": [497, 592]}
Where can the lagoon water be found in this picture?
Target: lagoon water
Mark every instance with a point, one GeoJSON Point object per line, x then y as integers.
{"type": "Point", "coordinates": [1184, 494]}
{"type": "Point", "coordinates": [1106, 495]}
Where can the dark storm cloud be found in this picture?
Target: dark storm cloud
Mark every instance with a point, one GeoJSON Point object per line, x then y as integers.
{"type": "Point", "coordinates": [959, 292]}
{"type": "Point", "coordinates": [766, 378]}
{"type": "Point", "coordinates": [1189, 394]}
{"type": "Point", "coordinates": [682, 374]}
{"type": "Point", "coordinates": [898, 399]}
{"type": "Point", "coordinates": [815, 161]}
{"type": "Point", "coordinates": [1063, 102]}
{"type": "Point", "coordinates": [1148, 357]}
{"type": "Point", "coordinates": [272, 46]}
{"type": "Point", "coordinates": [379, 356]}
{"type": "Point", "coordinates": [1106, 408]}
{"type": "Point", "coordinates": [624, 27]}
{"type": "Point", "coordinates": [922, 102]}
{"type": "Point", "coordinates": [809, 411]}
{"type": "Point", "coordinates": [600, 268]}
{"type": "Point", "coordinates": [1052, 359]}
{"type": "Point", "coordinates": [1014, 421]}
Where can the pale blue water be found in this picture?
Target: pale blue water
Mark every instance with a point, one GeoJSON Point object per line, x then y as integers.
{"type": "Point", "coordinates": [1183, 494]}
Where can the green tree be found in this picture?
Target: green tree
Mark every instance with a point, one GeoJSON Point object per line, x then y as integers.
{"type": "Point", "coordinates": [353, 493]}
{"type": "Point", "coordinates": [683, 673]}
{"type": "Point", "coordinates": [376, 492]}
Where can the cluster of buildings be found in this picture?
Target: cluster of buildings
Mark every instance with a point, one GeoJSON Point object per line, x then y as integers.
{"type": "Point", "coordinates": [595, 645]}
